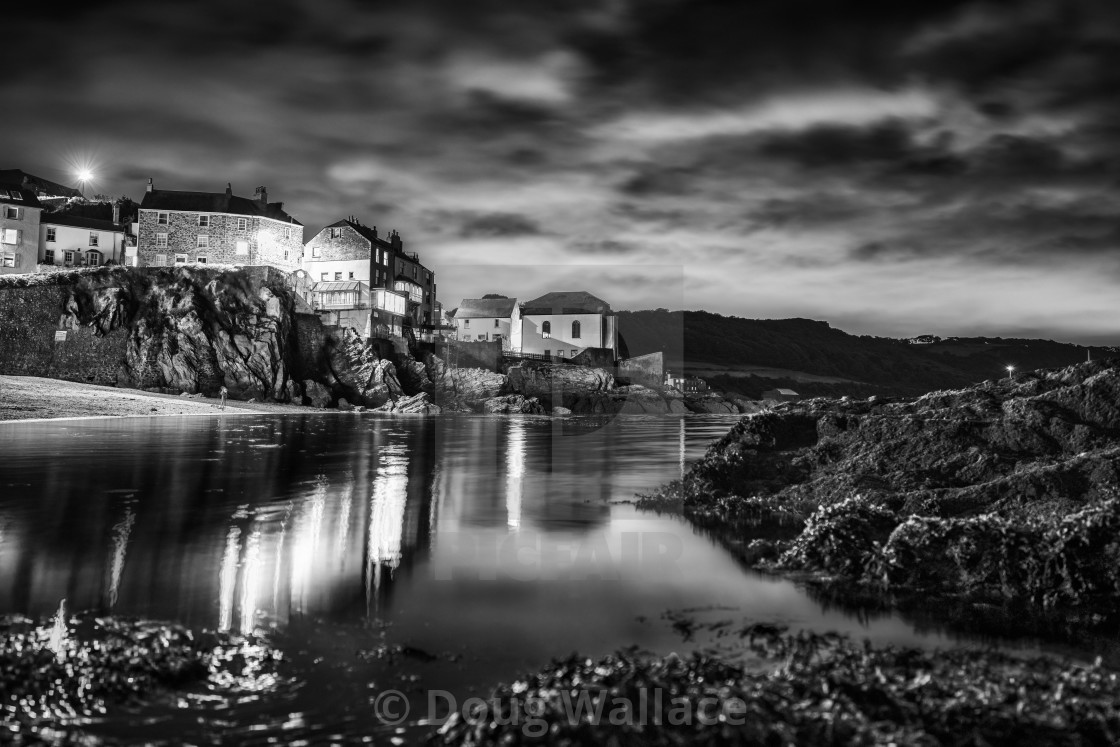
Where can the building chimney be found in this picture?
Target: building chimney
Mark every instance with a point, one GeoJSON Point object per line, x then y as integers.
{"type": "Point", "coordinates": [151, 187]}
{"type": "Point", "coordinates": [261, 195]}
{"type": "Point", "coordinates": [395, 241]}
{"type": "Point", "coordinates": [116, 211]}
{"type": "Point", "coordinates": [375, 232]}
{"type": "Point", "coordinates": [229, 189]}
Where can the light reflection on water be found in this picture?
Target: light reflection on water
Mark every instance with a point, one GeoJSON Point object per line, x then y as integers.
{"type": "Point", "coordinates": [502, 541]}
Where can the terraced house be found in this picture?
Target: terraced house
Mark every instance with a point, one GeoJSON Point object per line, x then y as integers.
{"type": "Point", "coordinates": [178, 227]}
{"type": "Point", "coordinates": [20, 213]}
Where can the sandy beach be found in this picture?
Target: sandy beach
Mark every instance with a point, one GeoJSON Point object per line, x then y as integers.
{"type": "Point", "coordinates": [35, 398]}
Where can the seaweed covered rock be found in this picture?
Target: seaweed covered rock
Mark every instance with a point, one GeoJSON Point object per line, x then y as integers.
{"type": "Point", "coordinates": [840, 537]}
{"type": "Point", "coordinates": [1045, 442]}
{"type": "Point", "coordinates": [512, 404]}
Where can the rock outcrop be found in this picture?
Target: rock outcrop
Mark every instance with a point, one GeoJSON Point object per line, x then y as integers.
{"type": "Point", "coordinates": [513, 404]}
{"type": "Point", "coordinates": [358, 374]}
{"type": "Point", "coordinates": [1047, 440]}
{"type": "Point", "coordinates": [417, 404]}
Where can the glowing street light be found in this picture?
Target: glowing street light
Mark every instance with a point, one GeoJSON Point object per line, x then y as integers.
{"type": "Point", "coordinates": [84, 176]}
{"type": "Point", "coordinates": [1011, 373]}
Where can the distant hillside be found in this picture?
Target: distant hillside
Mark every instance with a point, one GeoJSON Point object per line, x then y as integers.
{"type": "Point", "coordinates": [882, 364]}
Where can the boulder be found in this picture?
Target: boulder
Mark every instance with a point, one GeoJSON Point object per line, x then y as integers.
{"type": "Point", "coordinates": [561, 411]}
{"type": "Point", "coordinates": [639, 400]}
{"type": "Point", "coordinates": [417, 404]}
{"type": "Point", "coordinates": [344, 405]}
{"type": "Point", "coordinates": [575, 387]}
{"type": "Point", "coordinates": [414, 377]}
{"type": "Point", "coordinates": [463, 389]}
{"type": "Point", "coordinates": [513, 404]}
{"type": "Point", "coordinates": [317, 394]}
{"type": "Point", "coordinates": [359, 373]}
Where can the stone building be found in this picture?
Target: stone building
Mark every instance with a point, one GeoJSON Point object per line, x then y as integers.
{"type": "Point", "coordinates": [349, 250]}
{"type": "Point", "coordinates": [20, 214]}
{"type": "Point", "coordinates": [176, 227]}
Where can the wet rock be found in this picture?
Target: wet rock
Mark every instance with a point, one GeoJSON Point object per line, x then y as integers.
{"type": "Point", "coordinates": [359, 374]}
{"type": "Point", "coordinates": [417, 404]}
{"type": "Point", "coordinates": [513, 404]}
{"type": "Point", "coordinates": [636, 399]}
{"type": "Point", "coordinates": [317, 394]}
{"type": "Point", "coordinates": [344, 405]}
{"type": "Point", "coordinates": [576, 387]}
{"type": "Point", "coordinates": [463, 389]}
{"type": "Point", "coordinates": [413, 375]}
{"type": "Point", "coordinates": [561, 411]}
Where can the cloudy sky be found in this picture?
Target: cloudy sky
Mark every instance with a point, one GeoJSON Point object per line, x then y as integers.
{"type": "Point", "coordinates": [892, 167]}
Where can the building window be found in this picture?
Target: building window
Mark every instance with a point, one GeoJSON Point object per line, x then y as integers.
{"type": "Point", "coordinates": [94, 238]}
{"type": "Point", "coordinates": [200, 259]}
{"type": "Point", "coordinates": [203, 242]}
{"type": "Point", "coordinates": [8, 259]}
{"type": "Point", "coordinates": [93, 259]}
{"type": "Point", "coordinates": [286, 255]}
{"type": "Point", "coordinates": [336, 233]}
{"type": "Point", "coordinates": [548, 354]}
{"type": "Point", "coordinates": [16, 194]}
{"type": "Point", "coordinates": [161, 219]}
{"type": "Point", "coordinates": [11, 213]}
{"type": "Point", "coordinates": [69, 257]}
{"type": "Point", "coordinates": [323, 277]}
{"type": "Point", "coordinates": [482, 337]}
{"type": "Point", "coordinates": [10, 236]}
{"type": "Point", "coordinates": [466, 324]}
{"type": "Point", "coordinates": [204, 221]}
{"type": "Point", "coordinates": [161, 241]}
{"type": "Point", "coordinates": [51, 234]}
{"type": "Point", "coordinates": [574, 351]}
{"type": "Point", "coordinates": [242, 224]}
{"type": "Point", "coordinates": [497, 323]}
{"type": "Point", "coordinates": [180, 259]}
{"type": "Point", "coordinates": [338, 276]}
{"type": "Point", "coordinates": [48, 257]}
{"type": "Point", "coordinates": [288, 235]}
{"type": "Point", "coordinates": [351, 276]}
{"type": "Point", "coordinates": [560, 353]}
{"type": "Point", "coordinates": [575, 330]}
{"type": "Point", "coordinates": [546, 328]}
{"type": "Point", "coordinates": [161, 260]}
{"type": "Point", "coordinates": [242, 247]}
{"type": "Point", "coordinates": [315, 252]}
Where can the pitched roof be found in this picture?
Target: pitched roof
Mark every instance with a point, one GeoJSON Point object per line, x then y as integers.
{"type": "Point", "coordinates": [474, 308]}
{"type": "Point", "coordinates": [213, 202]}
{"type": "Point", "coordinates": [567, 302]}
{"type": "Point", "coordinates": [9, 192]}
{"type": "Point", "coordinates": [38, 184]}
{"type": "Point", "coordinates": [78, 221]}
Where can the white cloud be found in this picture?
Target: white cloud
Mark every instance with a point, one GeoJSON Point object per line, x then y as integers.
{"type": "Point", "coordinates": [546, 80]}
{"type": "Point", "coordinates": [792, 112]}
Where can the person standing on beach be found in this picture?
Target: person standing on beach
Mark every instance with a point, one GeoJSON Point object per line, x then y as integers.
{"type": "Point", "coordinates": [223, 393]}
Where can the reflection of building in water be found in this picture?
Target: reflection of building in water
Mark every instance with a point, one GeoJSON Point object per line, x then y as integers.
{"type": "Point", "coordinates": [232, 532]}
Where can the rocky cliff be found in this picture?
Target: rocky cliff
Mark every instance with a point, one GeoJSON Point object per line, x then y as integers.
{"type": "Point", "coordinates": [1008, 488]}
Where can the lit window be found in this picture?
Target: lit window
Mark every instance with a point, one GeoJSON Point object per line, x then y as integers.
{"type": "Point", "coordinates": [338, 276]}
{"type": "Point", "coordinates": [315, 252]}
{"type": "Point", "coordinates": [48, 257]}
{"type": "Point", "coordinates": [51, 234]}
{"type": "Point", "coordinates": [242, 247]}
{"type": "Point", "coordinates": [575, 330]}
{"type": "Point", "coordinates": [560, 353]}
{"type": "Point", "coordinates": [204, 221]}
{"type": "Point", "coordinates": [161, 241]}
{"type": "Point", "coordinates": [180, 259]}
{"type": "Point", "coordinates": [324, 276]}
{"type": "Point", "coordinates": [94, 238]}
{"type": "Point", "coordinates": [200, 259]}
{"type": "Point", "coordinates": [11, 235]}
{"type": "Point", "coordinates": [16, 194]}
{"type": "Point", "coordinates": [203, 242]}
{"type": "Point", "coordinates": [242, 224]}
{"type": "Point", "coordinates": [11, 213]}
{"type": "Point", "coordinates": [161, 219]}
{"type": "Point", "coordinates": [574, 351]}
{"type": "Point", "coordinates": [8, 259]}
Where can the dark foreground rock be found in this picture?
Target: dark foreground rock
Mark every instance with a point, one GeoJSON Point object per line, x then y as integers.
{"type": "Point", "coordinates": [418, 404]}
{"type": "Point", "coordinates": [812, 690]}
{"type": "Point", "coordinates": [1007, 490]}
{"type": "Point", "coordinates": [82, 667]}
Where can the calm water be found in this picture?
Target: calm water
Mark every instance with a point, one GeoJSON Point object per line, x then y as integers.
{"type": "Point", "coordinates": [490, 544]}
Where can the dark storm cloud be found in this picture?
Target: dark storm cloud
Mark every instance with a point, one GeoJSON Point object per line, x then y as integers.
{"type": "Point", "coordinates": [799, 157]}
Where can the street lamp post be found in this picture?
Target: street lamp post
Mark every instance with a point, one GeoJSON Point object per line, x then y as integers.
{"type": "Point", "coordinates": [84, 176]}
{"type": "Point", "coordinates": [1011, 373]}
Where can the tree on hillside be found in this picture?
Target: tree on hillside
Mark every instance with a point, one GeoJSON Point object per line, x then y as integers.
{"type": "Point", "coordinates": [494, 295]}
